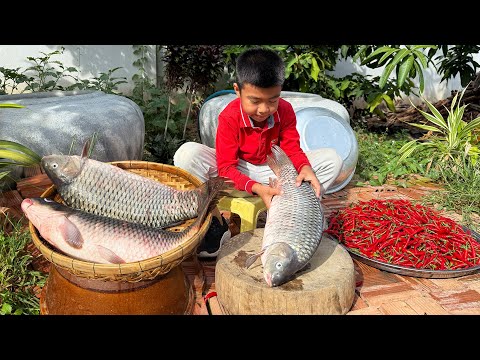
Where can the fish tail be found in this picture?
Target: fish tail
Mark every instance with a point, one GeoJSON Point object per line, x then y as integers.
{"type": "Point", "coordinates": [277, 159]}
{"type": "Point", "coordinates": [210, 192]}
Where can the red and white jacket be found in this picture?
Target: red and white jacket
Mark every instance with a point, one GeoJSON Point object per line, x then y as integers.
{"type": "Point", "coordinates": [237, 139]}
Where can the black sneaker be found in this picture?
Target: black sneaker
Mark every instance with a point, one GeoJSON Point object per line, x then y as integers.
{"type": "Point", "coordinates": [214, 238]}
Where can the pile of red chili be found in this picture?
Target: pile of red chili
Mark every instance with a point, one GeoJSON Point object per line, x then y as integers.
{"type": "Point", "coordinates": [401, 233]}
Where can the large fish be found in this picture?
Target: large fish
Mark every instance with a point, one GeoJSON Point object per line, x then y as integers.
{"type": "Point", "coordinates": [100, 239]}
{"type": "Point", "coordinates": [104, 189]}
{"type": "Point", "coordinates": [294, 225]}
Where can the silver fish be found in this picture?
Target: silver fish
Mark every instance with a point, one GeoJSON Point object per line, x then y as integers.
{"type": "Point", "coordinates": [294, 225]}
{"type": "Point", "coordinates": [104, 189]}
{"type": "Point", "coordinates": [100, 239]}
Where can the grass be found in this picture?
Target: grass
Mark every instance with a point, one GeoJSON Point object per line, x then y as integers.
{"type": "Point", "coordinates": [377, 160]}
{"type": "Point", "coordinates": [461, 194]}
{"type": "Point", "coordinates": [377, 165]}
{"type": "Point", "coordinates": [19, 282]}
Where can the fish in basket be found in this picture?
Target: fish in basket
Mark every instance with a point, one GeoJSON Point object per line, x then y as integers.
{"type": "Point", "coordinates": [102, 239]}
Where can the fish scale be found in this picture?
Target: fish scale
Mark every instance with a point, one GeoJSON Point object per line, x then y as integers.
{"type": "Point", "coordinates": [295, 218]}
{"type": "Point", "coordinates": [102, 239]}
{"type": "Point", "coordinates": [104, 189]}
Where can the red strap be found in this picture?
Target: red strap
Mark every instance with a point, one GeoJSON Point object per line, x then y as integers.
{"type": "Point", "coordinates": [209, 295]}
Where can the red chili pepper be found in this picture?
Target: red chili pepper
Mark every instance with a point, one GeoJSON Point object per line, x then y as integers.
{"type": "Point", "coordinates": [399, 232]}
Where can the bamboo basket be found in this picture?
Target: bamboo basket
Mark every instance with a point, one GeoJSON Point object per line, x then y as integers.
{"type": "Point", "coordinates": [147, 269]}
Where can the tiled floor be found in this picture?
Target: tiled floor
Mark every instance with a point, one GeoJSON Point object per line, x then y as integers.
{"type": "Point", "coordinates": [377, 292]}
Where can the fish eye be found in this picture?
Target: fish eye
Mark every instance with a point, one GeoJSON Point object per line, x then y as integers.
{"type": "Point", "coordinates": [54, 165]}
{"type": "Point", "coordinates": [278, 265]}
{"type": "Point", "coordinates": [48, 200]}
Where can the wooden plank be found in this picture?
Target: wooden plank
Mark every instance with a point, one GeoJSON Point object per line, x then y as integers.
{"type": "Point", "coordinates": [397, 308]}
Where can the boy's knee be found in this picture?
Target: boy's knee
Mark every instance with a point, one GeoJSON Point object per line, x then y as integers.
{"type": "Point", "coordinates": [184, 154]}
{"type": "Point", "coordinates": [334, 157]}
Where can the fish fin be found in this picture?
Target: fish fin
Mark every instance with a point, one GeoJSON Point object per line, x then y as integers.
{"type": "Point", "coordinates": [86, 149]}
{"type": "Point", "coordinates": [277, 159]}
{"type": "Point", "coordinates": [251, 259]}
{"type": "Point", "coordinates": [109, 255]}
{"type": "Point", "coordinates": [70, 233]}
{"type": "Point", "coordinates": [273, 183]}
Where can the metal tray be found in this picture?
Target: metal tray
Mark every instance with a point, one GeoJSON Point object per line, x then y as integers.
{"type": "Point", "coordinates": [408, 271]}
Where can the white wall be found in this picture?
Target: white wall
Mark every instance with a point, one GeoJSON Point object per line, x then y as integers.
{"type": "Point", "coordinates": [90, 60]}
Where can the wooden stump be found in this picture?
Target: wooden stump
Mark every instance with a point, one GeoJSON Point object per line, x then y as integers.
{"type": "Point", "coordinates": [326, 286]}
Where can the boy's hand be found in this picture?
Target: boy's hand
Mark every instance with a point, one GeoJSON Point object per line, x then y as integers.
{"type": "Point", "coordinates": [307, 174]}
{"type": "Point", "coordinates": [266, 193]}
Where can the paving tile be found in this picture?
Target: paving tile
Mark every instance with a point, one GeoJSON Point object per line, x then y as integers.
{"type": "Point", "coordinates": [466, 311]}
{"type": "Point", "coordinates": [33, 186]}
{"type": "Point", "coordinates": [423, 285]}
{"type": "Point", "coordinates": [371, 310]}
{"type": "Point", "coordinates": [379, 294]}
{"type": "Point", "coordinates": [425, 305]}
{"type": "Point", "coordinates": [448, 284]}
{"type": "Point", "coordinates": [455, 301]}
{"type": "Point", "coordinates": [397, 308]}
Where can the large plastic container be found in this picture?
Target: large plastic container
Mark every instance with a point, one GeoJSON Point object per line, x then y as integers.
{"type": "Point", "coordinates": [320, 127]}
{"type": "Point", "coordinates": [321, 123]}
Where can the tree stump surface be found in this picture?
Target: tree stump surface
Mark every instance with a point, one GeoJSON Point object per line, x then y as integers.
{"type": "Point", "coordinates": [326, 286]}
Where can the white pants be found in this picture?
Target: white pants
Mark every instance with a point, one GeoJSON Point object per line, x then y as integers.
{"type": "Point", "coordinates": [201, 161]}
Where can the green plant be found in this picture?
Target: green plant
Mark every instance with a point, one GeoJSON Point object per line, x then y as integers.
{"type": "Point", "coordinates": [47, 73]}
{"type": "Point", "coordinates": [11, 79]}
{"type": "Point", "coordinates": [459, 193]}
{"type": "Point", "coordinates": [458, 59]}
{"type": "Point", "coordinates": [105, 82]}
{"type": "Point", "coordinates": [19, 282]}
{"type": "Point", "coordinates": [452, 139]}
{"type": "Point", "coordinates": [15, 154]}
{"type": "Point", "coordinates": [378, 153]}
{"type": "Point", "coordinates": [195, 67]}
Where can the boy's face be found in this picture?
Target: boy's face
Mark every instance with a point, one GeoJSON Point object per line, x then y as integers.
{"type": "Point", "coordinates": [258, 103]}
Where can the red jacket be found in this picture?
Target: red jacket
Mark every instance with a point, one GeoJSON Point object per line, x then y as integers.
{"type": "Point", "coordinates": [237, 139]}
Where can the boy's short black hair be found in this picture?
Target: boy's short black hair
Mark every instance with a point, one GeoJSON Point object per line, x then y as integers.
{"type": "Point", "coordinates": [260, 67]}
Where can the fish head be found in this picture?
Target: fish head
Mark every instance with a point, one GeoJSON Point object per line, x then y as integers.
{"type": "Point", "coordinates": [45, 214]}
{"type": "Point", "coordinates": [62, 169]}
{"type": "Point", "coordinates": [280, 262]}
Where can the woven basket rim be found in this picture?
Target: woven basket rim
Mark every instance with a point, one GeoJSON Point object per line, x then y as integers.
{"type": "Point", "coordinates": [130, 270]}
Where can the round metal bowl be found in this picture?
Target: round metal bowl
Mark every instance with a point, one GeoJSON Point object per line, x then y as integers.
{"type": "Point", "coordinates": [408, 271]}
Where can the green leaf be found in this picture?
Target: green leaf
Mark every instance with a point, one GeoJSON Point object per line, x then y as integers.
{"type": "Point", "coordinates": [17, 106]}
{"type": "Point", "coordinates": [421, 57]}
{"type": "Point", "coordinates": [404, 69]}
{"type": "Point", "coordinates": [19, 158]}
{"type": "Point", "coordinates": [389, 102]}
{"type": "Point", "coordinates": [375, 53]}
{"type": "Point", "coordinates": [376, 101]}
{"type": "Point", "coordinates": [315, 69]}
{"type": "Point", "coordinates": [440, 122]}
{"type": "Point", "coordinates": [389, 68]}
{"type": "Point", "coordinates": [426, 127]}
{"type": "Point", "coordinates": [421, 80]}
{"type": "Point", "coordinates": [6, 144]}
{"type": "Point", "coordinates": [386, 55]}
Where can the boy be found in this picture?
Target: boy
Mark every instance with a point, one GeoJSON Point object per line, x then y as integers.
{"type": "Point", "coordinates": [247, 128]}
